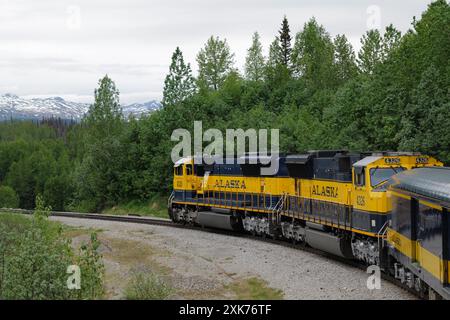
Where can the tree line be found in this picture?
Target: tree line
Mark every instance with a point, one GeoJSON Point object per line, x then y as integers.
{"type": "Point", "coordinates": [394, 94]}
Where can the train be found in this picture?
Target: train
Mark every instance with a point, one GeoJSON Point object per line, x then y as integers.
{"type": "Point", "coordinates": [388, 209]}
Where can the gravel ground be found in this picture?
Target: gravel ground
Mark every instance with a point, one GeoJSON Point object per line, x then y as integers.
{"type": "Point", "coordinates": [200, 264]}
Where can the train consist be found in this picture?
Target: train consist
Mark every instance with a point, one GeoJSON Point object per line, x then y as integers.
{"type": "Point", "coordinates": [388, 209]}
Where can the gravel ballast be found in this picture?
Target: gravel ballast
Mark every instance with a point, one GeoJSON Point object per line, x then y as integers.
{"type": "Point", "coordinates": [201, 264]}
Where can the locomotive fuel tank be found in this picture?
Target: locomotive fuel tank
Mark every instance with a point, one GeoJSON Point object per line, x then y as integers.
{"type": "Point", "coordinates": [329, 243]}
{"type": "Point", "coordinates": [217, 220]}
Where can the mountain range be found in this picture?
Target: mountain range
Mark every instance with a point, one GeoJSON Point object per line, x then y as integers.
{"type": "Point", "coordinates": [15, 107]}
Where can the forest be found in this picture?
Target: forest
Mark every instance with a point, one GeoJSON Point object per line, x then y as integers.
{"type": "Point", "coordinates": [394, 94]}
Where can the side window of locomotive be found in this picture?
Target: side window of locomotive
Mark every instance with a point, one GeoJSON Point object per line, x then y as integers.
{"type": "Point", "coordinates": [179, 171]}
{"type": "Point", "coordinates": [360, 177]}
{"type": "Point", "coordinates": [189, 170]}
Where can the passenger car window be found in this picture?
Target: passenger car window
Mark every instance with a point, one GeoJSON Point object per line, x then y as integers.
{"type": "Point", "coordinates": [189, 169]}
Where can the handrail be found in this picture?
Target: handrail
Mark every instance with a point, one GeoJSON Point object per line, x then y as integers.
{"type": "Point", "coordinates": [278, 208]}
{"type": "Point", "coordinates": [171, 197]}
{"type": "Point", "coordinates": [382, 233]}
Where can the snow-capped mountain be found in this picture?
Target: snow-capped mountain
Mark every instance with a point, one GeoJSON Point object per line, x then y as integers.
{"type": "Point", "coordinates": [141, 108]}
{"type": "Point", "coordinates": [12, 106]}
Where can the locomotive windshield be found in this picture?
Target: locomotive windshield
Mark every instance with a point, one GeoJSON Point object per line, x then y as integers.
{"type": "Point", "coordinates": [381, 175]}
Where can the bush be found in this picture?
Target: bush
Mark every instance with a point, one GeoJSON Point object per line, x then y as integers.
{"type": "Point", "coordinates": [34, 257]}
{"type": "Point", "coordinates": [147, 286]}
{"type": "Point", "coordinates": [8, 197]}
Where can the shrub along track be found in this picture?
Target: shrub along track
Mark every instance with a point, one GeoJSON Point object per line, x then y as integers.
{"type": "Point", "coordinates": [169, 223]}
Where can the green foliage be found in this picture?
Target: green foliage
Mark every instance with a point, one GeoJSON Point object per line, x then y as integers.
{"type": "Point", "coordinates": [92, 269]}
{"type": "Point", "coordinates": [344, 60]}
{"type": "Point", "coordinates": [147, 286]}
{"type": "Point", "coordinates": [285, 42]}
{"type": "Point", "coordinates": [8, 197]}
{"type": "Point", "coordinates": [275, 54]}
{"type": "Point", "coordinates": [371, 51]}
{"type": "Point", "coordinates": [215, 62]}
{"type": "Point", "coordinates": [106, 111]}
{"type": "Point", "coordinates": [312, 56]}
{"type": "Point", "coordinates": [34, 257]}
{"type": "Point", "coordinates": [254, 62]}
{"type": "Point", "coordinates": [97, 177]}
{"type": "Point", "coordinates": [156, 206]}
{"type": "Point", "coordinates": [179, 83]}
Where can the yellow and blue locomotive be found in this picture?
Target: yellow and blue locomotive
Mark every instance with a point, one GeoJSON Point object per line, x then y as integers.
{"type": "Point", "coordinates": [340, 202]}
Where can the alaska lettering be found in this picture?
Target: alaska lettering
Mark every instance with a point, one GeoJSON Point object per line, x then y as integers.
{"type": "Point", "coordinates": [231, 184]}
{"type": "Point", "coordinates": [325, 191]}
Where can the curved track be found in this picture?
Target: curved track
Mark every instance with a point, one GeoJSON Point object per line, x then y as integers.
{"type": "Point", "coordinates": [169, 223]}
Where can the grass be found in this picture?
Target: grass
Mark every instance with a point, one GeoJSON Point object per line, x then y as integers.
{"type": "Point", "coordinates": [147, 286]}
{"type": "Point", "coordinates": [133, 257]}
{"type": "Point", "coordinates": [15, 221]}
{"type": "Point", "coordinates": [254, 289]}
{"type": "Point", "coordinates": [155, 207]}
{"type": "Point", "coordinates": [73, 232]}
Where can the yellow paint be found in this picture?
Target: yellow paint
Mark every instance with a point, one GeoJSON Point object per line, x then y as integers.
{"type": "Point", "coordinates": [431, 205]}
{"type": "Point", "coordinates": [397, 194]}
{"type": "Point", "coordinates": [326, 190]}
{"type": "Point", "coordinates": [401, 243]}
{"type": "Point", "coordinates": [365, 199]}
{"type": "Point", "coordinates": [413, 250]}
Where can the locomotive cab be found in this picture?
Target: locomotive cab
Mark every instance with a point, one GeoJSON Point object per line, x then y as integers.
{"type": "Point", "coordinates": [370, 182]}
{"type": "Point", "coordinates": [185, 180]}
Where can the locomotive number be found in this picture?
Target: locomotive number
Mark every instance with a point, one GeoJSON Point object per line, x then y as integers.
{"type": "Point", "coordinates": [421, 160]}
{"type": "Point", "coordinates": [360, 201]}
{"type": "Point", "coordinates": [392, 160]}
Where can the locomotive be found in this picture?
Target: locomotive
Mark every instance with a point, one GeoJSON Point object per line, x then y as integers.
{"type": "Point", "coordinates": [382, 208]}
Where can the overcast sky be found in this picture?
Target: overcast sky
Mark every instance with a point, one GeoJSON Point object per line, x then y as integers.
{"type": "Point", "coordinates": [62, 48]}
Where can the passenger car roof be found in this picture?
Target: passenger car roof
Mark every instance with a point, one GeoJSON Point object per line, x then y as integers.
{"type": "Point", "coordinates": [430, 182]}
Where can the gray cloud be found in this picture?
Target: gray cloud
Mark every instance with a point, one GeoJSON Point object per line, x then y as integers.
{"type": "Point", "coordinates": [47, 48]}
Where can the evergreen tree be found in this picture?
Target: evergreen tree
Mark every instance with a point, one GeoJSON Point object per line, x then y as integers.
{"type": "Point", "coordinates": [105, 114]}
{"type": "Point", "coordinates": [254, 62]}
{"type": "Point", "coordinates": [371, 53]}
{"type": "Point", "coordinates": [215, 62]}
{"type": "Point", "coordinates": [179, 83]}
{"type": "Point", "coordinates": [285, 42]}
{"type": "Point", "coordinates": [344, 59]}
{"type": "Point", "coordinates": [98, 177]}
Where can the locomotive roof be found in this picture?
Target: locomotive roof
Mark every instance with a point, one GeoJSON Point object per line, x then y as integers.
{"type": "Point", "coordinates": [366, 161]}
{"type": "Point", "coordinates": [430, 182]}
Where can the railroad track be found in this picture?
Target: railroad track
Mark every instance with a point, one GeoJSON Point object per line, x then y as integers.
{"type": "Point", "coordinates": [169, 223]}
